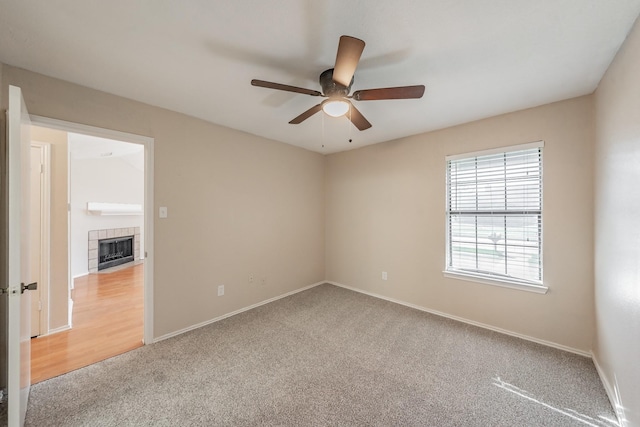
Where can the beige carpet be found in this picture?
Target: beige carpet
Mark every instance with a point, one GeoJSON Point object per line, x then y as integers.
{"type": "Point", "coordinates": [329, 356]}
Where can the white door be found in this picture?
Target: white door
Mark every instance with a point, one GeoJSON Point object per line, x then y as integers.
{"type": "Point", "coordinates": [36, 236]}
{"type": "Point", "coordinates": [19, 319]}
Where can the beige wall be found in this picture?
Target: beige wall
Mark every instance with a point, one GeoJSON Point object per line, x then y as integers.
{"type": "Point", "coordinates": [385, 211]}
{"type": "Point", "coordinates": [239, 205]}
{"type": "Point", "coordinates": [617, 222]}
{"type": "Point", "coordinates": [59, 268]}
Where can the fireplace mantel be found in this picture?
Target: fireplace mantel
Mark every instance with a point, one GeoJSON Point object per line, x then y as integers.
{"type": "Point", "coordinates": [95, 208]}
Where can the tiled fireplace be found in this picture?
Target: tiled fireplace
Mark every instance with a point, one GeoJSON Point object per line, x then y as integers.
{"type": "Point", "coordinates": [109, 247]}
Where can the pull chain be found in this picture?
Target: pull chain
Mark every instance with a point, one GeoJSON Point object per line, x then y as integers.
{"type": "Point", "coordinates": [322, 124]}
{"type": "Point", "coordinates": [350, 122]}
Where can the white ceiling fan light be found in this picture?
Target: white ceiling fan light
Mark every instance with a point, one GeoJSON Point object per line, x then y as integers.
{"type": "Point", "coordinates": [335, 107]}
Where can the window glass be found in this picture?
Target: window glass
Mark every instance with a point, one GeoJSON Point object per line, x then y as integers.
{"type": "Point", "coordinates": [494, 215]}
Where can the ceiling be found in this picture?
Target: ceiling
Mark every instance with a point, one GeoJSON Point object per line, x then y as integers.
{"type": "Point", "coordinates": [92, 147]}
{"type": "Point", "coordinates": [476, 58]}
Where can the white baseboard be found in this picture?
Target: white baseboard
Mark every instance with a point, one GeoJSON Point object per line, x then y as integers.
{"type": "Point", "coordinates": [233, 313]}
{"type": "Point", "coordinates": [56, 330]}
{"type": "Point", "coordinates": [80, 275]}
{"type": "Point", "coordinates": [470, 322]}
{"type": "Point", "coordinates": [610, 389]}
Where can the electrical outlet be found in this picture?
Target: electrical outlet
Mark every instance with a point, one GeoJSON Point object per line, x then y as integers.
{"type": "Point", "coordinates": [384, 275]}
{"type": "Point", "coordinates": [220, 290]}
{"type": "Point", "coordinates": [251, 279]}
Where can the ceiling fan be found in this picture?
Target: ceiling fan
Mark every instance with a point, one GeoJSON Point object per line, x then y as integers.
{"type": "Point", "coordinates": [336, 84]}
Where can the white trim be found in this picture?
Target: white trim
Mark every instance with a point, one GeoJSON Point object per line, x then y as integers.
{"type": "Point", "coordinates": [70, 305]}
{"type": "Point", "coordinates": [89, 130]}
{"type": "Point", "coordinates": [56, 330]}
{"type": "Point", "coordinates": [149, 207]}
{"type": "Point", "coordinates": [470, 322]}
{"type": "Point", "coordinates": [507, 149]}
{"type": "Point", "coordinates": [80, 275]}
{"type": "Point", "coordinates": [618, 408]}
{"type": "Point", "coordinates": [538, 289]}
{"type": "Point", "coordinates": [71, 283]}
{"type": "Point", "coordinates": [233, 313]}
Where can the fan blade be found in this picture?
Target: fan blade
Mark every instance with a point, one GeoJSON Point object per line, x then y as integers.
{"type": "Point", "coordinates": [304, 116]}
{"type": "Point", "coordinates": [278, 86]}
{"type": "Point", "coordinates": [349, 51]}
{"type": "Point", "coordinates": [403, 92]}
{"type": "Point", "coordinates": [357, 118]}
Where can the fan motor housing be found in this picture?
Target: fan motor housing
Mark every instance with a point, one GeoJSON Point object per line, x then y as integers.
{"type": "Point", "coordinates": [331, 88]}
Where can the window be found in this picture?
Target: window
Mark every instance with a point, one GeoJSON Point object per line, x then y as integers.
{"type": "Point", "coordinates": [494, 215]}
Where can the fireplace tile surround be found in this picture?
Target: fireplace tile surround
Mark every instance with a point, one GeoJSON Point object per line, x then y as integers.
{"type": "Point", "coordinates": [108, 233]}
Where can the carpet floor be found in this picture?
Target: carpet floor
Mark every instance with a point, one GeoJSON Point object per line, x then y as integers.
{"type": "Point", "coordinates": [330, 356]}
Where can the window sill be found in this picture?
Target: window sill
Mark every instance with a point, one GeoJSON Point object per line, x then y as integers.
{"type": "Point", "coordinates": [538, 289]}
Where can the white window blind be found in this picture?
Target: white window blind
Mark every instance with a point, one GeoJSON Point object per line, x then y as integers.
{"type": "Point", "coordinates": [494, 214]}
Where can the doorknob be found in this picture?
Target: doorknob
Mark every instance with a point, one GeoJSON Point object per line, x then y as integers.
{"type": "Point", "coordinates": [30, 287]}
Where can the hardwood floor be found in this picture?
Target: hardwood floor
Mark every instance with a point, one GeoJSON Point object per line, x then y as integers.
{"type": "Point", "coordinates": [107, 321]}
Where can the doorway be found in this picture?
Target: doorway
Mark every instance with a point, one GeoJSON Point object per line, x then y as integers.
{"type": "Point", "coordinates": [94, 158]}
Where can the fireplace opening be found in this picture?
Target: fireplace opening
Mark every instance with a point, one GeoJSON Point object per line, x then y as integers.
{"type": "Point", "coordinates": [115, 251]}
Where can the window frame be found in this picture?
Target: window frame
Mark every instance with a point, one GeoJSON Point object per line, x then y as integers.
{"type": "Point", "coordinates": [488, 278]}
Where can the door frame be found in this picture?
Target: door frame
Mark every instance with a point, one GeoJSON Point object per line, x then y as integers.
{"type": "Point", "coordinates": [45, 234]}
{"type": "Point", "coordinates": [148, 143]}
